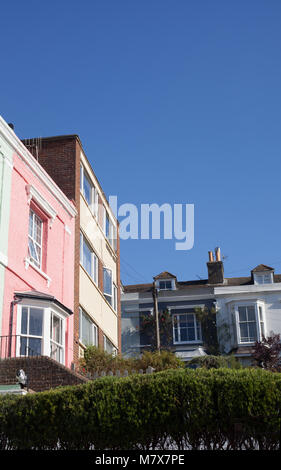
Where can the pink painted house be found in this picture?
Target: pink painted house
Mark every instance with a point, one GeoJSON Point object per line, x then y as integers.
{"type": "Point", "coordinates": [38, 293]}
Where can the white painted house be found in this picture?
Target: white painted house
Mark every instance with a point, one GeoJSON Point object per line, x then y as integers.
{"type": "Point", "coordinates": [248, 308]}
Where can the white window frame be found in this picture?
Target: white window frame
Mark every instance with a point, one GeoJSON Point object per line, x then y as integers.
{"type": "Point", "coordinates": [105, 341]}
{"type": "Point", "coordinates": [94, 259]}
{"type": "Point", "coordinates": [257, 306]}
{"type": "Point", "coordinates": [263, 278]}
{"type": "Point", "coordinates": [35, 243]}
{"type": "Point", "coordinates": [197, 329]}
{"type": "Point", "coordinates": [115, 298]}
{"type": "Point", "coordinates": [46, 327]}
{"type": "Point", "coordinates": [105, 293]}
{"type": "Point", "coordinates": [60, 346]}
{"type": "Point", "coordinates": [172, 281]}
{"type": "Point", "coordinates": [93, 203]}
{"type": "Point", "coordinates": [93, 327]}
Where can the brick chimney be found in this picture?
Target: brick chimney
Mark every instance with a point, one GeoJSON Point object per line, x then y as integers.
{"type": "Point", "coordinates": [215, 268]}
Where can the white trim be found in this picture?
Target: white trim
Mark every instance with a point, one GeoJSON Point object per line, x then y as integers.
{"type": "Point", "coordinates": [252, 288]}
{"type": "Point", "coordinates": [6, 160]}
{"type": "Point", "coordinates": [179, 307]}
{"type": "Point", "coordinates": [48, 308]}
{"type": "Point", "coordinates": [197, 325]}
{"type": "Point", "coordinates": [93, 326]}
{"type": "Point", "coordinates": [3, 259]}
{"type": "Point", "coordinates": [248, 303]}
{"type": "Point", "coordinates": [28, 262]}
{"type": "Point", "coordinates": [172, 281]}
{"type": "Point", "coordinates": [37, 169]}
{"type": "Point", "coordinates": [67, 229]}
{"type": "Point", "coordinates": [105, 293]}
{"type": "Point", "coordinates": [263, 274]}
{"type": "Point", "coordinates": [33, 194]}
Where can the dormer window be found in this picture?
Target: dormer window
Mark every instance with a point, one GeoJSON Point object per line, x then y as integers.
{"type": "Point", "coordinates": [263, 274]}
{"type": "Point", "coordinates": [165, 285]}
{"type": "Point", "coordinates": [263, 278]}
{"type": "Point", "coordinates": [165, 281]}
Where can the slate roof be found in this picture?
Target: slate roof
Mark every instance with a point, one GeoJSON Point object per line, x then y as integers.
{"type": "Point", "coordinates": [165, 275]}
{"type": "Point", "coordinates": [36, 295]}
{"type": "Point", "coordinates": [183, 285]}
{"type": "Point", "coordinates": [261, 268]}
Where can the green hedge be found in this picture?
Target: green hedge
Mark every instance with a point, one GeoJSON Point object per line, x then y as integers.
{"type": "Point", "coordinates": [207, 409]}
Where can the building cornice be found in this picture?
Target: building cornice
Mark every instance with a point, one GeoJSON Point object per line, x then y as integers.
{"type": "Point", "coordinates": [9, 135]}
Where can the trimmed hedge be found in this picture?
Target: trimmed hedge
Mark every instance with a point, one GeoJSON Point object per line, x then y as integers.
{"type": "Point", "coordinates": [178, 409]}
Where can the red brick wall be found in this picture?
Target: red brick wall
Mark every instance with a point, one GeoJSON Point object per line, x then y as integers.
{"type": "Point", "coordinates": [60, 157]}
{"type": "Point", "coordinates": [43, 373]}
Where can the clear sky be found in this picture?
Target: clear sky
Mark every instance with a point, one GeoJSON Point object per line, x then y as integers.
{"type": "Point", "coordinates": [175, 101]}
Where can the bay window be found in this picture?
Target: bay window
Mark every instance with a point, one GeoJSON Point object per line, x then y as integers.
{"type": "Point", "coordinates": [41, 328]}
{"type": "Point", "coordinates": [31, 331]}
{"type": "Point", "coordinates": [250, 322]}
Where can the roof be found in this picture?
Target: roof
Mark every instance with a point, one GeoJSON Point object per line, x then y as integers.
{"type": "Point", "coordinates": [36, 295]}
{"type": "Point", "coordinates": [71, 137]}
{"type": "Point", "coordinates": [165, 275]}
{"type": "Point", "coordinates": [261, 268]}
{"type": "Point", "coordinates": [183, 285]}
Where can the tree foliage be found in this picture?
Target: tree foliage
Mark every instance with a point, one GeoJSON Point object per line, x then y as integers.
{"type": "Point", "coordinates": [96, 360]}
{"type": "Point", "coordinates": [267, 353]}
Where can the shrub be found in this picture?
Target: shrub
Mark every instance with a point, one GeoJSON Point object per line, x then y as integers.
{"type": "Point", "coordinates": [215, 362]}
{"type": "Point", "coordinates": [173, 409]}
{"type": "Point", "coordinates": [96, 360]}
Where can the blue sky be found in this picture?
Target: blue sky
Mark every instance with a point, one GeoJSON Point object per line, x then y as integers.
{"type": "Point", "coordinates": [175, 101]}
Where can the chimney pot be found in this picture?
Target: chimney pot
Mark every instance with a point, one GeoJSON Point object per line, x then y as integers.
{"type": "Point", "coordinates": [211, 257]}
{"type": "Point", "coordinates": [218, 254]}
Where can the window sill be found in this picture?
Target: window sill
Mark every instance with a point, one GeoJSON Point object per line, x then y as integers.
{"type": "Point", "coordinates": [188, 342]}
{"type": "Point", "coordinates": [28, 263]}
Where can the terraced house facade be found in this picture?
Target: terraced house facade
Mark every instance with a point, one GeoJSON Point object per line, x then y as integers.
{"type": "Point", "coordinates": [37, 257]}
{"type": "Point", "coordinates": [245, 310]}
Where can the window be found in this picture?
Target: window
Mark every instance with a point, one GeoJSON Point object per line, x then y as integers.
{"type": "Point", "coordinates": [108, 346]}
{"type": "Point", "coordinates": [56, 338]}
{"type": "Point", "coordinates": [185, 328]}
{"type": "Point", "coordinates": [35, 235]}
{"type": "Point", "coordinates": [165, 285]}
{"type": "Point", "coordinates": [88, 331]}
{"type": "Point", "coordinates": [88, 258]}
{"type": "Point", "coordinates": [89, 191]}
{"type": "Point", "coordinates": [110, 232]}
{"type": "Point", "coordinates": [265, 278]}
{"type": "Point", "coordinates": [41, 328]}
{"type": "Point", "coordinates": [250, 321]}
{"type": "Point", "coordinates": [247, 324]}
{"type": "Point", "coordinates": [31, 331]}
{"type": "Point", "coordinates": [114, 297]}
{"type": "Point", "coordinates": [107, 285]}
